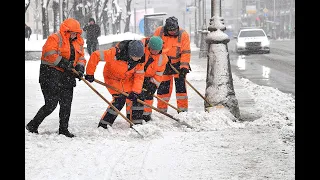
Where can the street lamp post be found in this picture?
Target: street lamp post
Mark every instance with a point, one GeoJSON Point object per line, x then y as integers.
{"type": "Point", "coordinates": [274, 11]}
{"type": "Point", "coordinates": [195, 24]}
{"type": "Point", "coordinates": [204, 14]}
{"type": "Point", "coordinates": [219, 83]}
{"type": "Point", "coordinates": [203, 45]}
{"type": "Point", "coordinates": [37, 18]}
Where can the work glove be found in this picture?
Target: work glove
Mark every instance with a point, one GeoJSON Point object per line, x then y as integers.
{"type": "Point", "coordinates": [65, 64]}
{"type": "Point", "coordinates": [89, 78]}
{"type": "Point", "coordinates": [151, 88]}
{"type": "Point", "coordinates": [80, 69]}
{"type": "Point", "coordinates": [183, 72]}
{"type": "Point", "coordinates": [133, 96]}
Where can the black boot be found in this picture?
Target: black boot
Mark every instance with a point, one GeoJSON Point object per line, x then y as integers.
{"type": "Point", "coordinates": [32, 127]}
{"type": "Point", "coordinates": [105, 126]}
{"type": "Point", "coordinates": [66, 133]}
{"type": "Point", "coordinates": [146, 117]}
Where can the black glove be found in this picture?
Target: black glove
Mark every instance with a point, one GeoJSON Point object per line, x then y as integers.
{"type": "Point", "coordinates": [151, 88]}
{"type": "Point", "coordinates": [89, 78]}
{"type": "Point", "coordinates": [133, 96]}
{"type": "Point", "coordinates": [65, 64]}
{"type": "Point", "coordinates": [80, 69]}
{"type": "Point", "coordinates": [183, 72]}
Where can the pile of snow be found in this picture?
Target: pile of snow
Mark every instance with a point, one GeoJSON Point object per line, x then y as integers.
{"type": "Point", "coordinates": [277, 108]}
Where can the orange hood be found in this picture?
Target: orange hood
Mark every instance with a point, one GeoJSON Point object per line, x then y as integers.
{"type": "Point", "coordinates": [70, 24]}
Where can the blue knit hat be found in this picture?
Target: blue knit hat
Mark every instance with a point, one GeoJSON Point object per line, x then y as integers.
{"type": "Point", "coordinates": [136, 48]}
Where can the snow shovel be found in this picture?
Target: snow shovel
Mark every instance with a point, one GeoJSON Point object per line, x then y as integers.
{"type": "Point", "coordinates": [191, 86]}
{"type": "Point", "coordinates": [110, 104]}
{"type": "Point", "coordinates": [140, 101]}
{"type": "Point", "coordinates": [178, 110]}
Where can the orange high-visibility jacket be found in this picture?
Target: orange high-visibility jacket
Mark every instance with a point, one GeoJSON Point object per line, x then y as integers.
{"type": "Point", "coordinates": [116, 71]}
{"type": "Point", "coordinates": [176, 48]}
{"type": "Point", "coordinates": [155, 69]}
{"type": "Point", "coordinates": [58, 45]}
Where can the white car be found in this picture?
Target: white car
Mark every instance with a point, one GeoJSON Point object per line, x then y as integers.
{"type": "Point", "coordinates": [252, 40]}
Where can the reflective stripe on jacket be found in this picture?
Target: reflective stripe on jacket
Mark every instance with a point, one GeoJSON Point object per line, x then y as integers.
{"type": "Point", "coordinates": [58, 46]}
{"type": "Point", "coordinates": [155, 69]}
{"type": "Point", "coordinates": [177, 48]}
{"type": "Point", "coordinates": [116, 72]}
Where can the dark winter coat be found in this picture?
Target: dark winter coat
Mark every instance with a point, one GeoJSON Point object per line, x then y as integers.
{"type": "Point", "coordinates": [93, 32]}
{"type": "Point", "coordinates": [52, 78]}
{"type": "Point", "coordinates": [28, 32]}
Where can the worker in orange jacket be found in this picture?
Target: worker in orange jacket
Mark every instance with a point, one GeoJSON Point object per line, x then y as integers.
{"type": "Point", "coordinates": [176, 44]}
{"type": "Point", "coordinates": [123, 70]}
{"type": "Point", "coordinates": [155, 64]}
{"type": "Point", "coordinates": [61, 52]}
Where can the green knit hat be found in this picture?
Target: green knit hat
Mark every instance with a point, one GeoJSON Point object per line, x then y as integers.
{"type": "Point", "coordinates": [155, 43]}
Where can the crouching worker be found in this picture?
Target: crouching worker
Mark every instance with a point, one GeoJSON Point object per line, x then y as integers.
{"type": "Point", "coordinates": [155, 64]}
{"type": "Point", "coordinates": [124, 71]}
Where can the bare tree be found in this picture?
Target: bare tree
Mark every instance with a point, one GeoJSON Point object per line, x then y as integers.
{"type": "Point", "coordinates": [64, 9]}
{"type": "Point", "coordinates": [45, 20]}
{"type": "Point", "coordinates": [85, 9]}
{"type": "Point", "coordinates": [101, 12]}
{"type": "Point", "coordinates": [82, 11]}
{"type": "Point", "coordinates": [127, 22]}
{"type": "Point", "coordinates": [68, 12]}
{"type": "Point", "coordinates": [97, 10]}
{"type": "Point", "coordinates": [27, 3]}
{"type": "Point", "coordinates": [55, 9]}
{"type": "Point", "coordinates": [104, 18]}
{"type": "Point", "coordinates": [116, 17]}
{"type": "Point", "coordinates": [88, 10]}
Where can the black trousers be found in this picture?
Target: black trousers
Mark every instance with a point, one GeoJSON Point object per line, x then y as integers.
{"type": "Point", "coordinates": [92, 46]}
{"type": "Point", "coordinates": [53, 96]}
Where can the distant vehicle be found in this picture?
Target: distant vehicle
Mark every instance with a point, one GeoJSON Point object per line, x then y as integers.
{"type": "Point", "coordinates": [252, 40]}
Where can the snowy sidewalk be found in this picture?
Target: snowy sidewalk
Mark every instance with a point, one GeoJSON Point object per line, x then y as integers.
{"type": "Point", "coordinates": [217, 147]}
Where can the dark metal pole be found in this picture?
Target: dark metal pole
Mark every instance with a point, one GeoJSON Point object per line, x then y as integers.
{"type": "Point", "coordinates": [37, 18]}
{"type": "Point", "coordinates": [204, 14]}
{"type": "Point", "coordinates": [200, 13]}
{"type": "Point", "coordinates": [220, 9]}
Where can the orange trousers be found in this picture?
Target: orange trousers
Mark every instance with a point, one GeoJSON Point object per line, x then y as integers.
{"type": "Point", "coordinates": [165, 90]}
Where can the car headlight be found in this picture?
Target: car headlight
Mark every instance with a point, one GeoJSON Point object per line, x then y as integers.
{"type": "Point", "coordinates": [265, 43]}
{"type": "Point", "coordinates": [241, 44]}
